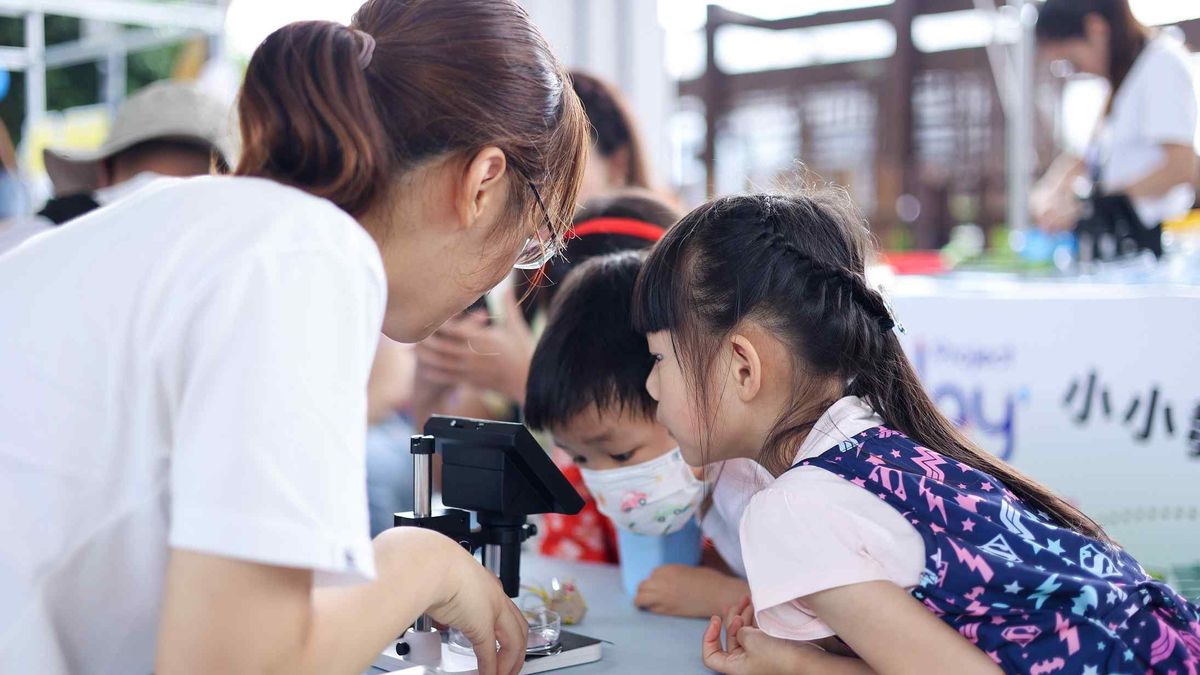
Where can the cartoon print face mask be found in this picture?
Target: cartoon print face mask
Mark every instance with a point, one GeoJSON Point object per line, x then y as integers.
{"type": "Point", "coordinates": [656, 497]}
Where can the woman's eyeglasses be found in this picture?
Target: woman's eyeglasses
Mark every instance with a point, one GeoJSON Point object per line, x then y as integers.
{"type": "Point", "coordinates": [540, 248]}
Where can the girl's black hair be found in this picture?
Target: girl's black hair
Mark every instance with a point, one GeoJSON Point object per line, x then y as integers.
{"type": "Point", "coordinates": [589, 354]}
{"type": "Point", "coordinates": [794, 265]}
{"type": "Point", "coordinates": [1060, 20]}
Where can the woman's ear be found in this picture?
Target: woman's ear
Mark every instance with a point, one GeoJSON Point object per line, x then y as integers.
{"type": "Point", "coordinates": [745, 368]}
{"type": "Point", "coordinates": [481, 187]}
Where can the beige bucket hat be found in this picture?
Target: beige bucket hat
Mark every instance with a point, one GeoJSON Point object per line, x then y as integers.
{"type": "Point", "coordinates": [164, 110]}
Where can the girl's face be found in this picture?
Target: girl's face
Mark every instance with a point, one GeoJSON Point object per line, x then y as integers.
{"type": "Point", "coordinates": [701, 441]}
{"type": "Point", "coordinates": [749, 383]}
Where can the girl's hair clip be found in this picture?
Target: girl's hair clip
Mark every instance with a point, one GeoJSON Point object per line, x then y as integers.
{"type": "Point", "coordinates": [897, 325]}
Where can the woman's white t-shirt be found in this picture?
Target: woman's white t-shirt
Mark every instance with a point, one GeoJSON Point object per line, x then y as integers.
{"type": "Point", "coordinates": [1155, 106]}
{"type": "Point", "coordinates": [183, 369]}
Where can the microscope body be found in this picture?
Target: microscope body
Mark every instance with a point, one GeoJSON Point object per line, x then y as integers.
{"type": "Point", "coordinates": [496, 470]}
{"type": "Point", "coordinates": [499, 536]}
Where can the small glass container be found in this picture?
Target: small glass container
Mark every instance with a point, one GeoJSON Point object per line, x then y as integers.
{"type": "Point", "coordinates": [545, 628]}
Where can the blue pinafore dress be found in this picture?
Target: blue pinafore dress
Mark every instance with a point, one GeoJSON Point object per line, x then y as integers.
{"type": "Point", "coordinates": [1036, 597]}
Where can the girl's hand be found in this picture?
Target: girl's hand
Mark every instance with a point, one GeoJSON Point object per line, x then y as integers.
{"type": "Point", "coordinates": [474, 602]}
{"type": "Point", "coordinates": [748, 650]}
{"type": "Point", "coordinates": [685, 590]}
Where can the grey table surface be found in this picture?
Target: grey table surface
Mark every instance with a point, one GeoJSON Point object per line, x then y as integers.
{"type": "Point", "coordinates": [641, 643]}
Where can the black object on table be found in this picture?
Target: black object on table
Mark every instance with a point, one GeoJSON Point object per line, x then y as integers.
{"type": "Point", "coordinates": [499, 471]}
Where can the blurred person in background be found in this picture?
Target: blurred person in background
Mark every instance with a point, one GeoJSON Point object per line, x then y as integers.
{"type": "Point", "coordinates": [1143, 149]}
{"type": "Point", "coordinates": [624, 219]}
{"type": "Point", "coordinates": [184, 406]}
{"type": "Point", "coordinates": [618, 158]}
{"type": "Point", "coordinates": [165, 129]}
{"type": "Point", "coordinates": [389, 431]}
{"type": "Point", "coordinates": [12, 194]}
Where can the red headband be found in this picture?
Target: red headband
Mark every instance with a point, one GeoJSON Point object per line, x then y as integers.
{"type": "Point", "coordinates": [627, 226]}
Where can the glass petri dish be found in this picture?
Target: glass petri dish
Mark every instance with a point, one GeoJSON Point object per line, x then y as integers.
{"type": "Point", "coordinates": [545, 628]}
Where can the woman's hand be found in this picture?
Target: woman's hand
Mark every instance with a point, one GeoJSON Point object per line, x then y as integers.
{"type": "Point", "coordinates": [686, 590]}
{"type": "Point", "coordinates": [1052, 202]}
{"type": "Point", "coordinates": [222, 615]}
{"type": "Point", "coordinates": [1055, 210]}
{"type": "Point", "coordinates": [474, 602]}
{"type": "Point", "coordinates": [467, 350]}
{"type": "Point", "coordinates": [748, 650]}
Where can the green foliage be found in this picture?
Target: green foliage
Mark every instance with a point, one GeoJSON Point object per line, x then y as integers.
{"type": "Point", "coordinates": [75, 85]}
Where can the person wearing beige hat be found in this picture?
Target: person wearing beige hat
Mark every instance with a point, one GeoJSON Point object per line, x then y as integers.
{"type": "Point", "coordinates": [165, 129]}
{"type": "Point", "coordinates": [170, 128]}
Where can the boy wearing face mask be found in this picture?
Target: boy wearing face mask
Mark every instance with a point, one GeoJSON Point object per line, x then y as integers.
{"type": "Point", "coordinates": [587, 389]}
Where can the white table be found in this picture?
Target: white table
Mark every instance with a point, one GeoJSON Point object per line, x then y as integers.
{"type": "Point", "coordinates": [1091, 388]}
{"type": "Point", "coordinates": [641, 642]}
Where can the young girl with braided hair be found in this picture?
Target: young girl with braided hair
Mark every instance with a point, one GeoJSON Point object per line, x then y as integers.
{"type": "Point", "coordinates": [888, 541]}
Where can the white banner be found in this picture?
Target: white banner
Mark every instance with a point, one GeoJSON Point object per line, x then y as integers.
{"type": "Point", "coordinates": [1092, 389]}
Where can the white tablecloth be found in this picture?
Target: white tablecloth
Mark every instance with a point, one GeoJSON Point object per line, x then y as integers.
{"type": "Point", "coordinates": [1092, 389]}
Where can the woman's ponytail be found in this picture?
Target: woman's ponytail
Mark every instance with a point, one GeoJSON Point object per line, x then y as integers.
{"type": "Point", "coordinates": [342, 112]}
{"type": "Point", "coordinates": [308, 119]}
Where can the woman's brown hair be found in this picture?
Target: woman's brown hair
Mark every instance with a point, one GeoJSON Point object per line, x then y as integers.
{"type": "Point", "coordinates": [795, 266]}
{"type": "Point", "coordinates": [1065, 19]}
{"type": "Point", "coordinates": [340, 111]}
{"type": "Point", "coordinates": [612, 126]}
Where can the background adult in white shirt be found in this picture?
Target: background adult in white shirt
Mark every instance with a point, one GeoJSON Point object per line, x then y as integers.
{"type": "Point", "coordinates": [1145, 145]}
{"type": "Point", "coordinates": [165, 129]}
{"type": "Point", "coordinates": [183, 373]}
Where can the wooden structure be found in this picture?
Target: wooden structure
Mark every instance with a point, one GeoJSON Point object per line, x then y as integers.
{"type": "Point", "coordinates": [934, 122]}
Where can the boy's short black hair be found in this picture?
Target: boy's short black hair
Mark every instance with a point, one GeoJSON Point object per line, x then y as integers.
{"type": "Point", "coordinates": [589, 353]}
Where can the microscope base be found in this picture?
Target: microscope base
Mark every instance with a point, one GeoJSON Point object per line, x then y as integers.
{"type": "Point", "coordinates": [446, 661]}
{"type": "Point", "coordinates": [577, 650]}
